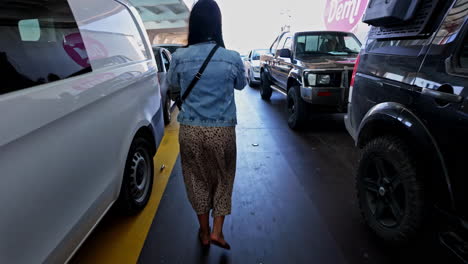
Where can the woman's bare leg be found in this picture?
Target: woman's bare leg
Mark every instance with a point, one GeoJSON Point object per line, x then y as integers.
{"type": "Point", "coordinates": [203, 219]}
{"type": "Point", "coordinates": [217, 234]}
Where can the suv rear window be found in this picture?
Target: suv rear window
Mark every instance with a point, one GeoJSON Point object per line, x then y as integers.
{"type": "Point", "coordinates": [39, 43]}
{"type": "Point", "coordinates": [401, 47]}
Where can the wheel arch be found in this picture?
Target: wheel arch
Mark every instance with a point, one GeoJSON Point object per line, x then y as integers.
{"type": "Point", "coordinates": [292, 81]}
{"type": "Point", "coordinates": [147, 132]}
{"type": "Point", "coordinates": [394, 119]}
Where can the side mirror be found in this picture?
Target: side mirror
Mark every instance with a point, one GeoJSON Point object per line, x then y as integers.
{"type": "Point", "coordinates": [285, 53]}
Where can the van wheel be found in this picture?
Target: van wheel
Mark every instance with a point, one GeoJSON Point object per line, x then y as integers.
{"type": "Point", "coordinates": [167, 110]}
{"type": "Point", "coordinates": [265, 87]}
{"type": "Point", "coordinates": [390, 194]}
{"type": "Point", "coordinates": [297, 109]}
{"type": "Point", "coordinates": [138, 178]}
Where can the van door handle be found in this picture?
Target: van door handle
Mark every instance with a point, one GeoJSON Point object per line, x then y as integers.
{"type": "Point", "coordinates": [442, 96]}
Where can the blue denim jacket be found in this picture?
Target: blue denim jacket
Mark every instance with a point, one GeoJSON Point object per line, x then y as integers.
{"type": "Point", "coordinates": [211, 102]}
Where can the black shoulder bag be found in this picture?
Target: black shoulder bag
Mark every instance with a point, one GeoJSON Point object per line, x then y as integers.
{"type": "Point", "coordinates": [197, 77]}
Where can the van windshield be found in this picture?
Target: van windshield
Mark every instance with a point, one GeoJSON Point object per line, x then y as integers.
{"type": "Point", "coordinates": [326, 43]}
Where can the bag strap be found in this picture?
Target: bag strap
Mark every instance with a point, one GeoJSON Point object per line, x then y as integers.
{"type": "Point", "coordinates": [199, 73]}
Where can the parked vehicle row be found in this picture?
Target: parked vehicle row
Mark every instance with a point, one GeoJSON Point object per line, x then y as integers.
{"type": "Point", "coordinates": [252, 66]}
{"type": "Point", "coordinates": [82, 118]}
{"type": "Point", "coordinates": [406, 101]}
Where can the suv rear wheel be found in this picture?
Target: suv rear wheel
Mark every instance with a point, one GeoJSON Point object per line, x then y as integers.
{"type": "Point", "coordinates": [138, 178]}
{"type": "Point", "coordinates": [390, 194]}
{"type": "Point", "coordinates": [265, 87]}
{"type": "Point", "coordinates": [297, 108]}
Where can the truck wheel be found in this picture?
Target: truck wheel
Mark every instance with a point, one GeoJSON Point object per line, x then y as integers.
{"type": "Point", "coordinates": [265, 87]}
{"type": "Point", "coordinates": [167, 110]}
{"type": "Point", "coordinates": [389, 191]}
{"type": "Point", "coordinates": [297, 109]}
{"type": "Point", "coordinates": [138, 178]}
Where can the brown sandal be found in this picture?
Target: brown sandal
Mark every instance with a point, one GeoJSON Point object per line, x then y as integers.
{"type": "Point", "coordinates": [217, 243]}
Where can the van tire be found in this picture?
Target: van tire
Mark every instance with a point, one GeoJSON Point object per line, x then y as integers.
{"type": "Point", "coordinates": [401, 191]}
{"type": "Point", "coordinates": [298, 109]}
{"type": "Point", "coordinates": [138, 178]}
{"type": "Point", "coordinates": [265, 87]}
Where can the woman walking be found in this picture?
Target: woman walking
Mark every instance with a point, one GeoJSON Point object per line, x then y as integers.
{"type": "Point", "coordinates": [206, 74]}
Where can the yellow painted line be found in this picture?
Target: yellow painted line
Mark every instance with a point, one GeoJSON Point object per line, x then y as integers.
{"type": "Point", "coordinates": [119, 239]}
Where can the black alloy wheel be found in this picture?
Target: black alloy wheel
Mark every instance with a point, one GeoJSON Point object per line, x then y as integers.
{"type": "Point", "coordinates": [265, 87]}
{"type": "Point", "coordinates": [390, 194]}
{"type": "Point", "coordinates": [384, 192]}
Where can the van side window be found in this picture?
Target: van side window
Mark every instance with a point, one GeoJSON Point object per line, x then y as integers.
{"type": "Point", "coordinates": [39, 44]}
{"type": "Point", "coordinates": [114, 42]}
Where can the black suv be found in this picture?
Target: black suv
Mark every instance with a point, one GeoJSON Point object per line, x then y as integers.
{"type": "Point", "coordinates": [408, 112]}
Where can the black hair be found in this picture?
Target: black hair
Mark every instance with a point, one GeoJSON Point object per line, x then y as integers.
{"type": "Point", "coordinates": [205, 23]}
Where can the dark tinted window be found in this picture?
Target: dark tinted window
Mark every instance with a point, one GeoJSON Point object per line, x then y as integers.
{"type": "Point", "coordinates": [127, 43]}
{"type": "Point", "coordinates": [39, 43]}
{"type": "Point", "coordinates": [405, 47]}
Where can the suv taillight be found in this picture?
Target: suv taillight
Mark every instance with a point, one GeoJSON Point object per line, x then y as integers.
{"type": "Point", "coordinates": [355, 70]}
{"type": "Point", "coordinates": [351, 83]}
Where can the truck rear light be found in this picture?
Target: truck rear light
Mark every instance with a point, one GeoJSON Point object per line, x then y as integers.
{"type": "Point", "coordinates": [355, 70]}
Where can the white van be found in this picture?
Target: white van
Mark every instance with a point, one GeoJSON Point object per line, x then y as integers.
{"type": "Point", "coordinates": [81, 119]}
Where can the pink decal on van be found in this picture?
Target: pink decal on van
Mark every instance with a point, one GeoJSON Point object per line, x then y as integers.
{"type": "Point", "coordinates": [74, 46]}
{"type": "Point", "coordinates": [344, 15]}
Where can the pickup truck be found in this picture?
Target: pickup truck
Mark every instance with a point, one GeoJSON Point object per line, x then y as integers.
{"type": "Point", "coordinates": [313, 69]}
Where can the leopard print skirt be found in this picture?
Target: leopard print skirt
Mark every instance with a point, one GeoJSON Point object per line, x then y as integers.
{"type": "Point", "coordinates": [208, 156]}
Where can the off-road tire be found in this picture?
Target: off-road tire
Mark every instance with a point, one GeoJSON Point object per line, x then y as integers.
{"type": "Point", "coordinates": [298, 109]}
{"type": "Point", "coordinates": [265, 87]}
{"type": "Point", "coordinates": [393, 152]}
